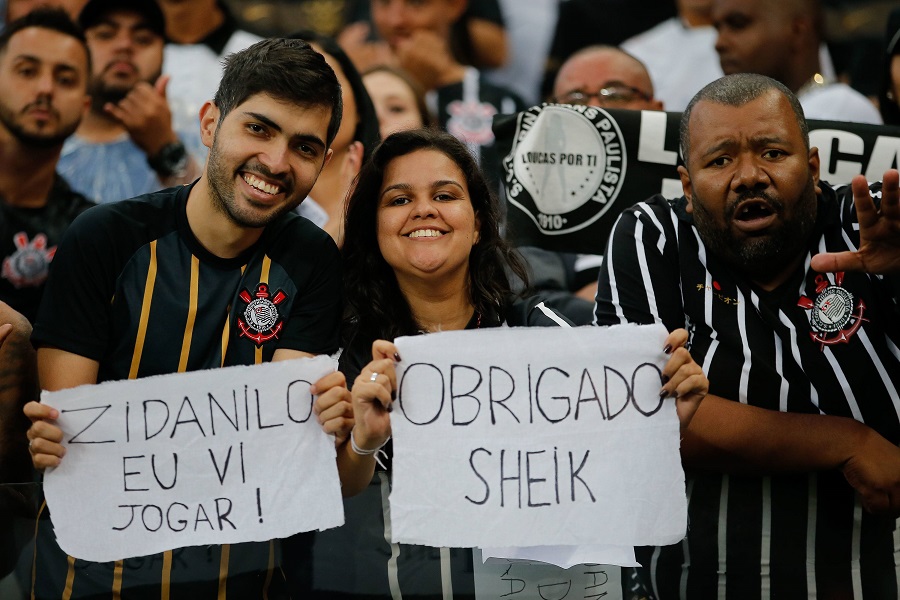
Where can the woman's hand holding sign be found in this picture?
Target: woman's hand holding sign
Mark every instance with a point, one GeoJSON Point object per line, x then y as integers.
{"type": "Point", "coordinates": [373, 396]}
{"type": "Point", "coordinates": [683, 379]}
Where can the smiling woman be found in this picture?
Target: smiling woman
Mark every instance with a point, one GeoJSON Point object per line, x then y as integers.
{"type": "Point", "coordinates": [426, 223]}
{"type": "Point", "coordinates": [422, 225]}
{"type": "Point", "coordinates": [422, 253]}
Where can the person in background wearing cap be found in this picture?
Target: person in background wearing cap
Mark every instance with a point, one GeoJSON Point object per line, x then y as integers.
{"type": "Point", "coordinates": [44, 66]}
{"type": "Point", "coordinates": [126, 145]}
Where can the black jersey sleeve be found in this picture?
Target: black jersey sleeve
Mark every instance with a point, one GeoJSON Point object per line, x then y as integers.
{"type": "Point", "coordinates": [534, 312]}
{"type": "Point", "coordinates": [489, 10]}
{"type": "Point", "coordinates": [313, 324]}
{"type": "Point", "coordinates": [76, 311]}
{"type": "Point", "coordinates": [639, 279]}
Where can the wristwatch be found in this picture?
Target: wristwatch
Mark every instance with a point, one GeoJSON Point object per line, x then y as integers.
{"type": "Point", "coordinates": [170, 160]}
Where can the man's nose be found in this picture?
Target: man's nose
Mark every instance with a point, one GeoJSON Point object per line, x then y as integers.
{"type": "Point", "coordinates": [721, 43]}
{"type": "Point", "coordinates": [123, 41]}
{"type": "Point", "coordinates": [276, 158]}
{"type": "Point", "coordinates": [395, 14]}
{"type": "Point", "coordinates": [46, 84]}
{"type": "Point", "coordinates": [749, 174]}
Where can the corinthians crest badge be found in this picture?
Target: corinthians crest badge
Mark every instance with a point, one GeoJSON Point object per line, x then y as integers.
{"type": "Point", "coordinates": [29, 264]}
{"type": "Point", "coordinates": [833, 315]}
{"type": "Point", "coordinates": [566, 167]}
{"type": "Point", "coordinates": [261, 320]}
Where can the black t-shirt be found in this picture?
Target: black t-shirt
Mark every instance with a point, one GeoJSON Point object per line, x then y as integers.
{"type": "Point", "coordinates": [132, 288]}
{"type": "Point", "coordinates": [132, 273]}
{"type": "Point", "coordinates": [28, 240]}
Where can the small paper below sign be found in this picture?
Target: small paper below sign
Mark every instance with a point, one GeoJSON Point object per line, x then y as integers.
{"type": "Point", "coordinates": [567, 556]}
{"type": "Point", "coordinates": [527, 580]}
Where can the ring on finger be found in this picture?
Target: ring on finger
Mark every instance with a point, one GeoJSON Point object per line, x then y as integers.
{"type": "Point", "coordinates": [374, 376]}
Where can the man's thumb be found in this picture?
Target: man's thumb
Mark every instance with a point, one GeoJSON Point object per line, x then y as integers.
{"type": "Point", "coordinates": [161, 85]}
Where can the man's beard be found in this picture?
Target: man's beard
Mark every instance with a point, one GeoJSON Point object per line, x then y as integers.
{"type": "Point", "coordinates": [222, 189]}
{"type": "Point", "coordinates": [101, 94]}
{"type": "Point", "coordinates": [762, 257]}
{"type": "Point", "coordinates": [33, 139]}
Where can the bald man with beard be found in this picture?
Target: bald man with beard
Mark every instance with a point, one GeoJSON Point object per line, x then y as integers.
{"type": "Point", "coordinates": [601, 76]}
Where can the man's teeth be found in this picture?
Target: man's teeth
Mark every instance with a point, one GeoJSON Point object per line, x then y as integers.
{"type": "Point", "coordinates": [426, 233]}
{"type": "Point", "coordinates": [260, 184]}
{"type": "Point", "coordinates": [754, 210]}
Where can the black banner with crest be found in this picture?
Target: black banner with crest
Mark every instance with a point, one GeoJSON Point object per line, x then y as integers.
{"type": "Point", "coordinates": [569, 171]}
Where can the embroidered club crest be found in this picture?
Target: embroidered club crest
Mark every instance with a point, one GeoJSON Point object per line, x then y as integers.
{"type": "Point", "coordinates": [261, 320]}
{"type": "Point", "coordinates": [471, 121]}
{"type": "Point", "coordinates": [29, 264]}
{"type": "Point", "coordinates": [832, 315]}
{"type": "Point", "coordinates": [566, 166]}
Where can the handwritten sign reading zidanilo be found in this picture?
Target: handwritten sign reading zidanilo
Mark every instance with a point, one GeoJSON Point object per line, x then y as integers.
{"type": "Point", "coordinates": [209, 457]}
{"type": "Point", "coordinates": [536, 436]}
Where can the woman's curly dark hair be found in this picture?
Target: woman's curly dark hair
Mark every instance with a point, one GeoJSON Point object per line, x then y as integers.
{"type": "Point", "coordinates": [375, 306]}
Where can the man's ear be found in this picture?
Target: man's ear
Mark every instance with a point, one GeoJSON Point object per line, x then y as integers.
{"type": "Point", "coordinates": [209, 120]}
{"type": "Point", "coordinates": [355, 153]}
{"type": "Point", "coordinates": [814, 167]}
{"type": "Point", "coordinates": [686, 187]}
{"type": "Point", "coordinates": [328, 154]}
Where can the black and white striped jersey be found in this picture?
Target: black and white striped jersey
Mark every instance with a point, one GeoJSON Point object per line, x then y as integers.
{"type": "Point", "coordinates": [818, 344]}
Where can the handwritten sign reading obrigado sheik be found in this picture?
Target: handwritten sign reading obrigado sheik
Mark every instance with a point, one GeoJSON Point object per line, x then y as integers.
{"type": "Point", "coordinates": [539, 436]}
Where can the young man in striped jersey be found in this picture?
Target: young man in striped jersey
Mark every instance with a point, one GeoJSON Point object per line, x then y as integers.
{"type": "Point", "coordinates": [169, 282]}
{"type": "Point", "coordinates": [789, 288]}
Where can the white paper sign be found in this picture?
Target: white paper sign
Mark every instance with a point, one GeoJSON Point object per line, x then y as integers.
{"type": "Point", "coordinates": [208, 457]}
{"type": "Point", "coordinates": [567, 556]}
{"type": "Point", "coordinates": [521, 580]}
{"type": "Point", "coordinates": [536, 436]}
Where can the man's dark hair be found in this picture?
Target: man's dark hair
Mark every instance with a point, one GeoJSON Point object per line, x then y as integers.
{"type": "Point", "coordinates": [285, 69]}
{"type": "Point", "coordinates": [737, 90]}
{"type": "Point", "coordinates": [367, 130]}
{"type": "Point", "coordinates": [54, 19]}
{"type": "Point", "coordinates": [95, 11]}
